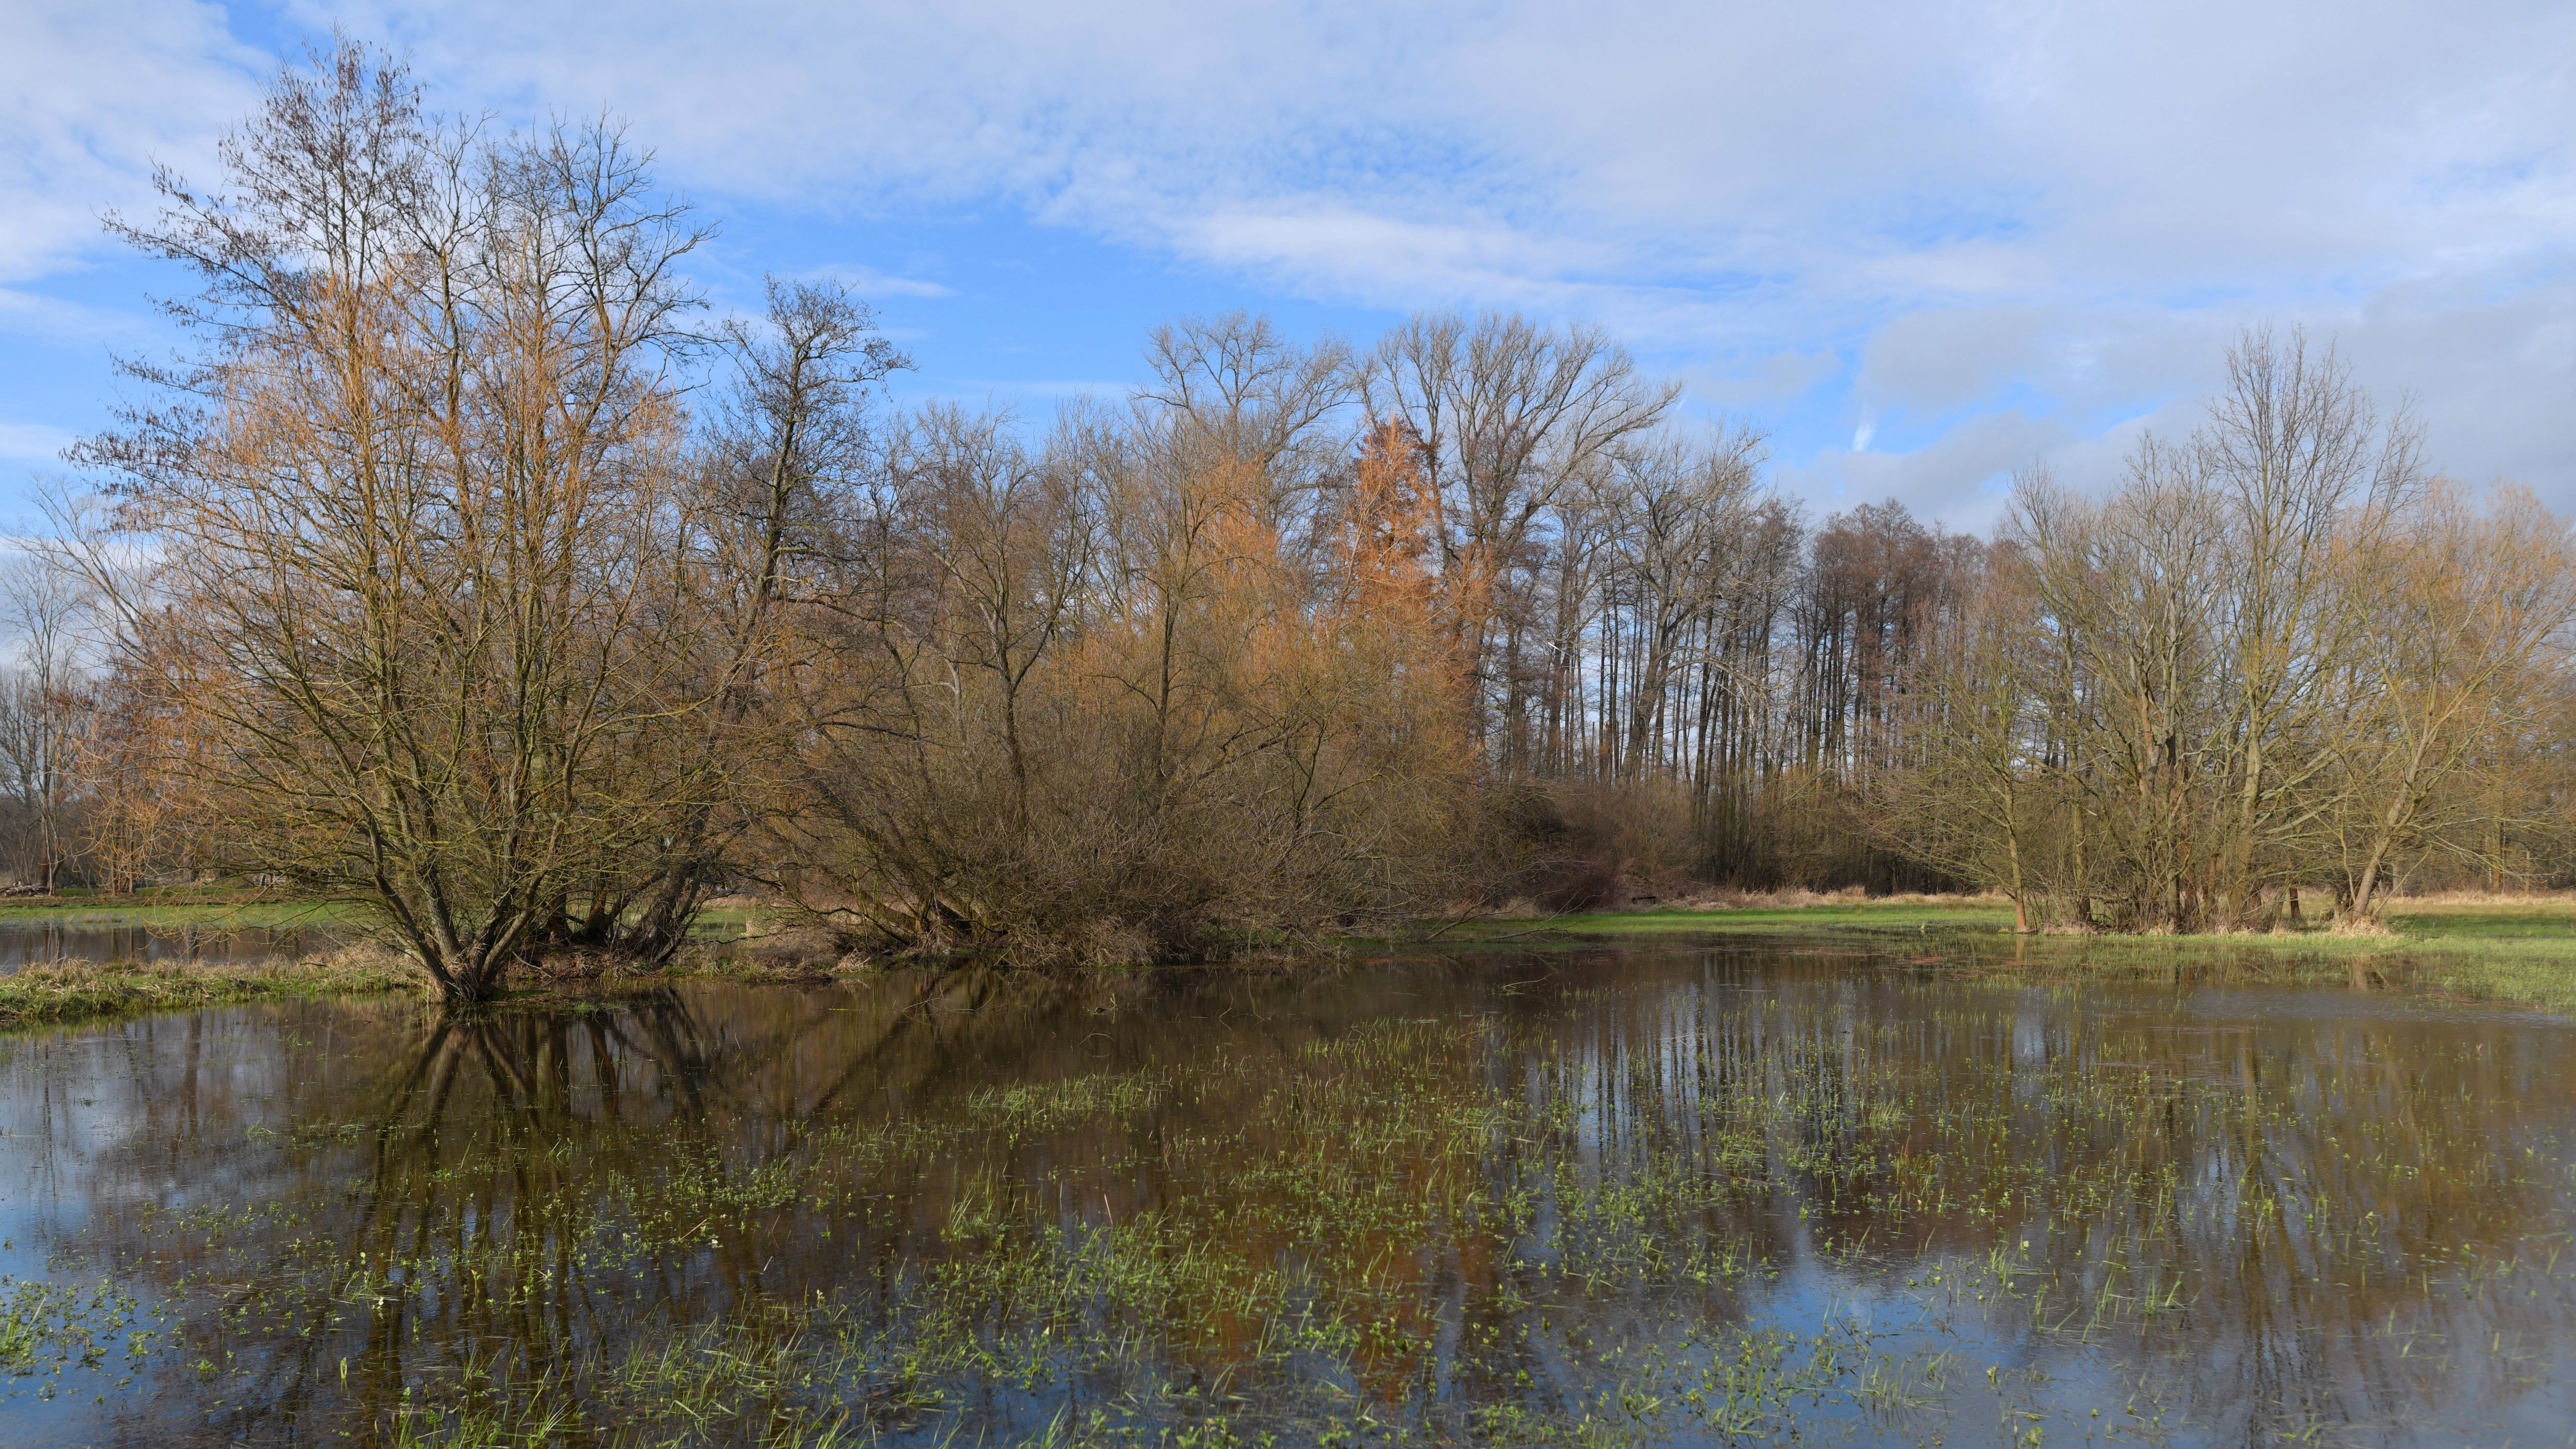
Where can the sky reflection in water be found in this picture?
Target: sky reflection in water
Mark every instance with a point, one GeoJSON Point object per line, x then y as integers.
{"type": "Point", "coordinates": [1653, 1196]}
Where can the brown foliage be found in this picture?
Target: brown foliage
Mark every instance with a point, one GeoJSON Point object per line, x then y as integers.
{"type": "Point", "coordinates": [451, 574]}
{"type": "Point", "coordinates": [421, 521]}
{"type": "Point", "coordinates": [1090, 704]}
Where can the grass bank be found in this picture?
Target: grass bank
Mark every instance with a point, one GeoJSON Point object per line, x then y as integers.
{"type": "Point", "coordinates": [2517, 949]}
{"type": "Point", "coordinates": [210, 908]}
{"type": "Point", "coordinates": [2510, 949]}
{"type": "Point", "coordinates": [737, 943]}
{"type": "Point", "coordinates": [63, 993]}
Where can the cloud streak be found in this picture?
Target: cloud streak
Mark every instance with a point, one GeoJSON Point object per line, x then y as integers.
{"type": "Point", "coordinates": [33, 442]}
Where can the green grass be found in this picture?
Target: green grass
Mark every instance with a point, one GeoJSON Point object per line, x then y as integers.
{"type": "Point", "coordinates": [78, 991]}
{"type": "Point", "coordinates": [206, 907]}
{"type": "Point", "coordinates": [217, 908]}
{"type": "Point", "coordinates": [1842, 917]}
{"type": "Point", "coordinates": [2519, 949]}
{"type": "Point", "coordinates": [2507, 918]}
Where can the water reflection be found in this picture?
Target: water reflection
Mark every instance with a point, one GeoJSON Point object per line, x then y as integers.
{"type": "Point", "coordinates": [26, 943]}
{"type": "Point", "coordinates": [1625, 1196]}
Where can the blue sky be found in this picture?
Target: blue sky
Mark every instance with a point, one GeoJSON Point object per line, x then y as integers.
{"type": "Point", "coordinates": [1917, 246]}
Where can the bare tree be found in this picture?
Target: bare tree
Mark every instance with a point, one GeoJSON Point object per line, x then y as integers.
{"type": "Point", "coordinates": [2130, 586]}
{"type": "Point", "coordinates": [1511, 417]}
{"type": "Point", "coordinates": [454, 575]}
{"type": "Point", "coordinates": [2462, 615]}
{"type": "Point", "coordinates": [1973, 794]}
{"type": "Point", "coordinates": [1234, 384]}
{"type": "Point", "coordinates": [793, 429]}
{"type": "Point", "coordinates": [42, 609]}
{"type": "Point", "coordinates": [1684, 506]}
{"type": "Point", "coordinates": [2307, 473]}
{"type": "Point", "coordinates": [1086, 703]}
{"type": "Point", "coordinates": [412, 497]}
{"type": "Point", "coordinates": [2272, 650]}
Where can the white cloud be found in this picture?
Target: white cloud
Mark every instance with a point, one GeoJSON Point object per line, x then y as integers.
{"type": "Point", "coordinates": [33, 442]}
{"type": "Point", "coordinates": [1333, 247]}
{"type": "Point", "coordinates": [868, 282]}
{"type": "Point", "coordinates": [54, 319]}
{"type": "Point", "coordinates": [90, 96]}
{"type": "Point", "coordinates": [1988, 225]}
{"type": "Point", "coordinates": [1954, 480]}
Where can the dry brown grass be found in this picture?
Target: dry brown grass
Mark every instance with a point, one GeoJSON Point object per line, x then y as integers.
{"type": "Point", "coordinates": [2436, 900]}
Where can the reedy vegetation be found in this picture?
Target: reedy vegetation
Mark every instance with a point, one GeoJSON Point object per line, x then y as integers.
{"type": "Point", "coordinates": [460, 572]}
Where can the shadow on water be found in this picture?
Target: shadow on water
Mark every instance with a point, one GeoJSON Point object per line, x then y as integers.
{"type": "Point", "coordinates": [1671, 1195]}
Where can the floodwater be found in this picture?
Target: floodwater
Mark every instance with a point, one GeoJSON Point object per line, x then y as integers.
{"type": "Point", "coordinates": [1606, 1197]}
{"type": "Point", "coordinates": [26, 943]}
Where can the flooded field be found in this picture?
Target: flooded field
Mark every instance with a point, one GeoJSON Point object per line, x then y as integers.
{"type": "Point", "coordinates": [29, 943]}
{"type": "Point", "coordinates": [1648, 1196]}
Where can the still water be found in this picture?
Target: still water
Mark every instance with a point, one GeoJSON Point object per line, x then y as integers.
{"type": "Point", "coordinates": [27, 943]}
{"type": "Point", "coordinates": [1640, 1196]}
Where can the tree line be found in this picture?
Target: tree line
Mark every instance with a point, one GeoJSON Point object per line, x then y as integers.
{"type": "Point", "coordinates": [463, 566]}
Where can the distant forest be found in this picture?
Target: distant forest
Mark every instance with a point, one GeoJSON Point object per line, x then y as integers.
{"type": "Point", "coordinates": [467, 566]}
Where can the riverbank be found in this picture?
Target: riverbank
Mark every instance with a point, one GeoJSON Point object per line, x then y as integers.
{"type": "Point", "coordinates": [65, 993]}
{"type": "Point", "coordinates": [2517, 949]}
{"type": "Point", "coordinates": [210, 908]}
{"type": "Point", "coordinates": [736, 942]}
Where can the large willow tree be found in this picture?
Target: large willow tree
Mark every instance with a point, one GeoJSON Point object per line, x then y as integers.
{"type": "Point", "coordinates": [425, 543]}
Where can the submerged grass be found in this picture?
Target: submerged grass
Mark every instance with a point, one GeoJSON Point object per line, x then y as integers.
{"type": "Point", "coordinates": [1608, 1220]}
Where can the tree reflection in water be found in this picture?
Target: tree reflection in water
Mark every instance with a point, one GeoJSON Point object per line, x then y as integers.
{"type": "Point", "coordinates": [1645, 1195]}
